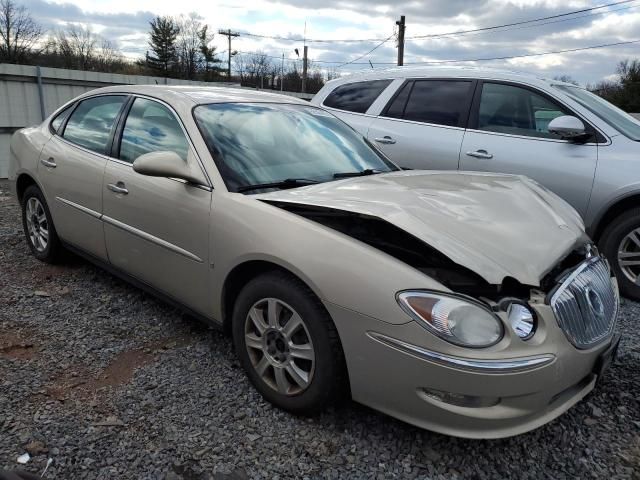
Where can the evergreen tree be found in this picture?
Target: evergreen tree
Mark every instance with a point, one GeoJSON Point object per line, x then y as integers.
{"type": "Point", "coordinates": [163, 35]}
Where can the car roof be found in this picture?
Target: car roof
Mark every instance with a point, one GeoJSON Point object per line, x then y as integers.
{"type": "Point", "coordinates": [200, 95]}
{"type": "Point", "coordinates": [444, 71]}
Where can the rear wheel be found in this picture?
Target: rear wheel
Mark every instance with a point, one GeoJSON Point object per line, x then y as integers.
{"type": "Point", "coordinates": [620, 243]}
{"type": "Point", "coordinates": [288, 344]}
{"type": "Point", "coordinates": [38, 226]}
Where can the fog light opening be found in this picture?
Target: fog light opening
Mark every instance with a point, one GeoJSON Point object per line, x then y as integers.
{"type": "Point", "coordinates": [458, 399]}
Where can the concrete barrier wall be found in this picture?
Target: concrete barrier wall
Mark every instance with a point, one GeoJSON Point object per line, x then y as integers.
{"type": "Point", "coordinates": [29, 94]}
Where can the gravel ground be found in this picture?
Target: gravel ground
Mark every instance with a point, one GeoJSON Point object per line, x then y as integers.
{"type": "Point", "coordinates": [111, 383]}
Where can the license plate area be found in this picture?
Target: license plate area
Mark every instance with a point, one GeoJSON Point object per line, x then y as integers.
{"type": "Point", "coordinates": [606, 358]}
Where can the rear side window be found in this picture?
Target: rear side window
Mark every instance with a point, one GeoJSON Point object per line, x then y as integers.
{"type": "Point", "coordinates": [60, 118]}
{"type": "Point", "coordinates": [91, 122]}
{"type": "Point", "coordinates": [356, 97]}
{"type": "Point", "coordinates": [441, 102]}
{"type": "Point", "coordinates": [151, 127]}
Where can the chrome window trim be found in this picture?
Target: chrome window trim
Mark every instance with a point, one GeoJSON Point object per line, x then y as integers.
{"type": "Point", "coordinates": [512, 365]}
{"type": "Point", "coordinates": [424, 124]}
{"type": "Point", "coordinates": [542, 139]}
{"type": "Point", "coordinates": [151, 238]}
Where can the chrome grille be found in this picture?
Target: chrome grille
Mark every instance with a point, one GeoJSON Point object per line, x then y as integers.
{"type": "Point", "coordinates": [586, 303]}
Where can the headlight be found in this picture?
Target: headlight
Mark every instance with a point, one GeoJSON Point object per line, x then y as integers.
{"type": "Point", "coordinates": [456, 320]}
{"type": "Point", "coordinates": [521, 320]}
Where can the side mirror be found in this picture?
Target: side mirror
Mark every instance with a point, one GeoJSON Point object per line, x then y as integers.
{"type": "Point", "coordinates": [167, 164]}
{"type": "Point", "coordinates": [567, 127]}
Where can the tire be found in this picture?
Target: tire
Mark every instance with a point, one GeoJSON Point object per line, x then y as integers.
{"type": "Point", "coordinates": [326, 374]}
{"type": "Point", "coordinates": [614, 239]}
{"type": "Point", "coordinates": [34, 203]}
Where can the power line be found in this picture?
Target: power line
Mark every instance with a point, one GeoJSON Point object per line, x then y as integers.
{"type": "Point", "coordinates": [448, 35]}
{"type": "Point", "coordinates": [370, 51]}
{"type": "Point", "coordinates": [555, 52]}
{"type": "Point", "coordinates": [436, 35]}
{"type": "Point", "coordinates": [524, 22]}
{"type": "Point", "coordinates": [484, 59]}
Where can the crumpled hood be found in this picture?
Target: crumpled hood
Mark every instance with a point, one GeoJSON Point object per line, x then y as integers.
{"type": "Point", "coordinates": [496, 225]}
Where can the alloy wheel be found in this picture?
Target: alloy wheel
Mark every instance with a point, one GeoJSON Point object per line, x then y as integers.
{"type": "Point", "coordinates": [279, 346]}
{"type": "Point", "coordinates": [629, 255]}
{"type": "Point", "coordinates": [37, 224]}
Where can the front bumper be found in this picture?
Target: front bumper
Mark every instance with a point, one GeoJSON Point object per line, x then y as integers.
{"type": "Point", "coordinates": [492, 394]}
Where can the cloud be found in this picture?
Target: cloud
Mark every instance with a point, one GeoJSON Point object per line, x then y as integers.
{"type": "Point", "coordinates": [126, 23]}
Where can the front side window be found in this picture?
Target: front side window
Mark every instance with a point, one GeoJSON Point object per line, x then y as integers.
{"type": "Point", "coordinates": [151, 127]}
{"type": "Point", "coordinates": [91, 122]}
{"type": "Point", "coordinates": [258, 143]}
{"type": "Point", "coordinates": [439, 102]}
{"type": "Point", "coordinates": [516, 111]}
{"type": "Point", "coordinates": [618, 119]}
{"type": "Point", "coordinates": [356, 97]}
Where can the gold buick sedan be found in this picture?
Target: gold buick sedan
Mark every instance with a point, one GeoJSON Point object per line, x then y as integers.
{"type": "Point", "coordinates": [471, 304]}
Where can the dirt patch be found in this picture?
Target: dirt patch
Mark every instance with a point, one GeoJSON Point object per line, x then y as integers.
{"type": "Point", "coordinates": [120, 371]}
{"type": "Point", "coordinates": [16, 347]}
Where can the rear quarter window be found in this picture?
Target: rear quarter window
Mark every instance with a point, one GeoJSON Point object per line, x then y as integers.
{"type": "Point", "coordinates": [356, 97]}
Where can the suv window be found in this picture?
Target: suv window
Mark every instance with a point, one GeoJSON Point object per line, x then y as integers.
{"type": "Point", "coordinates": [90, 123]}
{"type": "Point", "coordinates": [516, 110]}
{"type": "Point", "coordinates": [356, 97]}
{"type": "Point", "coordinates": [442, 102]}
{"type": "Point", "coordinates": [151, 127]}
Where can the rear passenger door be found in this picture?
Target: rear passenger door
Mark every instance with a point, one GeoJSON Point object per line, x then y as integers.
{"type": "Point", "coordinates": [350, 102]}
{"type": "Point", "coordinates": [71, 168]}
{"type": "Point", "coordinates": [422, 127]}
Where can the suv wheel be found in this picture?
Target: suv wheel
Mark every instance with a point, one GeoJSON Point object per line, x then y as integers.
{"type": "Point", "coordinates": [620, 243]}
{"type": "Point", "coordinates": [288, 344]}
{"type": "Point", "coordinates": [38, 226]}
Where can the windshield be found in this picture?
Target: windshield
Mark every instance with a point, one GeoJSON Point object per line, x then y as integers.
{"type": "Point", "coordinates": [262, 143]}
{"type": "Point", "coordinates": [618, 119]}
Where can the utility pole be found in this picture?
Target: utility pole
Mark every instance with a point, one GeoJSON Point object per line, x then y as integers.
{"type": "Point", "coordinates": [304, 69]}
{"type": "Point", "coordinates": [229, 34]}
{"type": "Point", "coordinates": [282, 73]}
{"type": "Point", "coordinates": [401, 26]}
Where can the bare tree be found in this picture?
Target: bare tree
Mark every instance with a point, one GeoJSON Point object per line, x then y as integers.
{"type": "Point", "coordinates": [76, 46]}
{"type": "Point", "coordinates": [189, 43]}
{"type": "Point", "coordinates": [19, 33]}
{"type": "Point", "coordinates": [107, 57]}
{"type": "Point", "coordinates": [257, 66]}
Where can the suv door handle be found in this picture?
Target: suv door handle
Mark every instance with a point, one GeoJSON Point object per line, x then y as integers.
{"type": "Point", "coordinates": [50, 162]}
{"type": "Point", "coordinates": [118, 188]}
{"type": "Point", "coordinates": [387, 140]}
{"type": "Point", "coordinates": [480, 154]}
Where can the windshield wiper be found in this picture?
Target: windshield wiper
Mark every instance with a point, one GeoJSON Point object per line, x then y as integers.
{"type": "Point", "coordinates": [281, 184]}
{"type": "Point", "coordinates": [361, 173]}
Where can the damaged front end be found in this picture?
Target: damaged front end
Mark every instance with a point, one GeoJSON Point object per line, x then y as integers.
{"type": "Point", "coordinates": [398, 243]}
{"type": "Point", "coordinates": [511, 297]}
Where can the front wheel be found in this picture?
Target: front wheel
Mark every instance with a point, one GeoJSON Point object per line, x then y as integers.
{"type": "Point", "coordinates": [38, 226]}
{"type": "Point", "coordinates": [620, 243]}
{"type": "Point", "coordinates": [288, 344]}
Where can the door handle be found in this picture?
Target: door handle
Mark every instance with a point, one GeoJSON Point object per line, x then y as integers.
{"type": "Point", "coordinates": [480, 154]}
{"type": "Point", "coordinates": [50, 162]}
{"type": "Point", "coordinates": [387, 140]}
{"type": "Point", "coordinates": [118, 188]}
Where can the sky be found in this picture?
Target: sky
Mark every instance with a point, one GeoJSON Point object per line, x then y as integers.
{"type": "Point", "coordinates": [126, 24]}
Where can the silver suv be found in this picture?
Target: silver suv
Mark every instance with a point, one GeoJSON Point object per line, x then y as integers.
{"type": "Point", "coordinates": [566, 138]}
